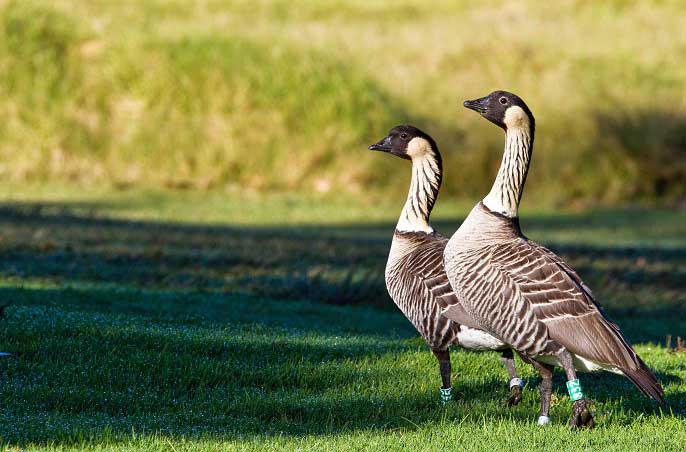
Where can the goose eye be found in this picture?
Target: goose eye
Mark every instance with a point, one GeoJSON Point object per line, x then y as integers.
{"type": "Point", "coordinates": [503, 100]}
{"type": "Point", "coordinates": [403, 136]}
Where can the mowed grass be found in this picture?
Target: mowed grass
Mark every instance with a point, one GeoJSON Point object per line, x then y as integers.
{"type": "Point", "coordinates": [175, 331]}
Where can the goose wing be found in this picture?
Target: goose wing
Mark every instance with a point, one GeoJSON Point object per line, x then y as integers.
{"type": "Point", "coordinates": [407, 284]}
{"type": "Point", "coordinates": [426, 265]}
{"type": "Point", "coordinates": [557, 297]}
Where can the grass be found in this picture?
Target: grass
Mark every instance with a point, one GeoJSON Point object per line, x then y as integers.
{"type": "Point", "coordinates": [282, 95]}
{"type": "Point", "coordinates": [193, 236]}
{"type": "Point", "coordinates": [173, 330]}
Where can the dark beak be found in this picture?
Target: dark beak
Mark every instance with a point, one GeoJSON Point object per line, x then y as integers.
{"type": "Point", "coordinates": [383, 145]}
{"type": "Point", "coordinates": [478, 105]}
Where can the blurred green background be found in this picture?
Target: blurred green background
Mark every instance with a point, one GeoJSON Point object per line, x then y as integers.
{"type": "Point", "coordinates": [273, 96]}
{"type": "Point", "coordinates": [193, 233]}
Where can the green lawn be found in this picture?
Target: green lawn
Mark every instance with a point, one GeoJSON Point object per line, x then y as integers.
{"type": "Point", "coordinates": [179, 331]}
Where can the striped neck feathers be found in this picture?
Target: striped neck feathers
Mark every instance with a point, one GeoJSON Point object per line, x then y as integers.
{"type": "Point", "coordinates": [507, 189]}
{"type": "Point", "coordinates": [427, 173]}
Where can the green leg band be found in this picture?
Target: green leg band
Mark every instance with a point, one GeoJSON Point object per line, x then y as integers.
{"type": "Point", "coordinates": [446, 395]}
{"type": "Point", "coordinates": [574, 389]}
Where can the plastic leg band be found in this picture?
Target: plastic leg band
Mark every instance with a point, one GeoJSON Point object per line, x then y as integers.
{"type": "Point", "coordinates": [574, 389]}
{"type": "Point", "coordinates": [516, 382]}
{"type": "Point", "coordinates": [446, 395]}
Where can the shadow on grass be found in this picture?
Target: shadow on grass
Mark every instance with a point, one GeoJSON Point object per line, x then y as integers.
{"type": "Point", "coordinates": [339, 264]}
{"type": "Point", "coordinates": [67, 243]}
{"type": "Point", "coordinates": [200, 367]}
{"type": "Point", "coordinates": [182, 328]}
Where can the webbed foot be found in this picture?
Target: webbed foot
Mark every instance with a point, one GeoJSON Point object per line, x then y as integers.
{"type": "Point", "coordinates": [581, 415]}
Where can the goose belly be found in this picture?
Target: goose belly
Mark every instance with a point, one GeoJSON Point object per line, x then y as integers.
{"type": "Point", "coordinates": [581, 364]}
{"type": "Point", "coordinates": [473, 339]}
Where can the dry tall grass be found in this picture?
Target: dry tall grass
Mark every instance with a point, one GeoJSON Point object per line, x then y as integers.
{"type": "Point", "coordinates": [286, 95]}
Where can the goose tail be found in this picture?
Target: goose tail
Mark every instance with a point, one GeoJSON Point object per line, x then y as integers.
{"type": "Point", "coordinates": [644, 380]}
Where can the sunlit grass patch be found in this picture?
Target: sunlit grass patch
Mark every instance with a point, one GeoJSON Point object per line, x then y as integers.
{"type": "Point", "coordinates": [169, 331]}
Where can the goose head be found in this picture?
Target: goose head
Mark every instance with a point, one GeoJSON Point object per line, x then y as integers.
{"type": "Point", "coordinates": [506, 110]}
{"type": "Point", "coordinates": [407, 142]}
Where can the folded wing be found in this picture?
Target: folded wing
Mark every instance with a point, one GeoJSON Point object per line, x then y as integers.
{"type": "Point", "coordinates": [426, 264]}
{"type": "Point", "coordinates": [558, 298]}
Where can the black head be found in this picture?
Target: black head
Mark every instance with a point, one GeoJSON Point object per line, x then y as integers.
{"type": "Point", "coordinates": [405, 142]}
{"type": "Point", "coordinates": [503, 109]}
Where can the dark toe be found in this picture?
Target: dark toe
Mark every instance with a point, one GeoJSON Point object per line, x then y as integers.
{"type": "Point", "coordinates": [587, 419]}
{"type": "Point", "coordinates": [515, 396]}
{"type": "Point", "coordinates": [514, 400]}
{"type": "Point", "coordinates": [581, 416]}
{"type": "Point", "coordinates": [574, 421]}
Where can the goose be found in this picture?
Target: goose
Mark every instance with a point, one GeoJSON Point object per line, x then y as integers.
{"type": "Point", "coordinates": [415, 278]}
{"type": "Point", "coordinates": [521, 292]}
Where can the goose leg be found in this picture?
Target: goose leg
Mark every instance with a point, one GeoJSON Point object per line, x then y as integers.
{"type": "Point", "coordinates": [546, 390]}
{"type": "Point", "coordinates": [507, 358]}
{"type": "Point", "coordinates": [443, 357]}
{"type": "Point", "coordinates": [581, 415]}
